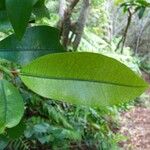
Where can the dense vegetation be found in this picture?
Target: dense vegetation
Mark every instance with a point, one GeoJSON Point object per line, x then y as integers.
{"type": "Point", "coordinates": [60, 86]}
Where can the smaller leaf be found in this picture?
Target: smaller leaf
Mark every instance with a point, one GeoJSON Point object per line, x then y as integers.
{"type": "Point", "coordinates": [125, 9]}
{"type": "Point", "coordinates": [19, 14]}
{"type": "Point", "coordinates": [141, 12]}
{"type": "Point", "coordinates": [11, 106]}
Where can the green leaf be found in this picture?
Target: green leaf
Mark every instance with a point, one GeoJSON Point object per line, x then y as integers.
{"type": "Point", "coordinates": [11, 106]}
{"type": "Point", "coordinates": [37, 41]}
{"type": "Point", "coordinates": [141, 12]}
{"type": "Point", "coordinates": [19, 13]}
{"type": "Point", "coordinates": [82, 78]}
{"type": "Point", "coordinates": [5, 24]}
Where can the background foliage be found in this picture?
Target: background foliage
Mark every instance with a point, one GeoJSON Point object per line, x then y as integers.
{"type": "Point", "coordinates": [50, 124]}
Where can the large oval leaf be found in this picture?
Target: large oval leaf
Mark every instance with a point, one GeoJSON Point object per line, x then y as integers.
{"type": "Point", "coordinates": [19, 13]}
{"type": "Point", "coordinates": [82, 78]}
{"type": "Point", "coordinates": [11, 106]}
{"type": "Point", "coordinates": [37, 41]}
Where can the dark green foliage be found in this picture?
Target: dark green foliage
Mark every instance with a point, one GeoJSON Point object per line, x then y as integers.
{"type": "Point", "coordinates": [19, 12]}
{"type": "Point", "coordinates": [2, 4]}
{"type": "Point", "coordinates": [61, 126]}
{"type": "Point", "coordinates": [39, 3]}
{"type": "Point", "coordinates": [37, 41]}
{"type": "Point", "coordinates": [16, 131]}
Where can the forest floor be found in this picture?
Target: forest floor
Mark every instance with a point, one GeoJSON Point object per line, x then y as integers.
{"type": "Point", "coordinates": [135, 124]}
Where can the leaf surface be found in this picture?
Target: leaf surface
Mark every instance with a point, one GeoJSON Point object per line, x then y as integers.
{"type": "Point", "coordinates": [82, 78]}
{"type": "Point", "coordinates": [19, 13]}
{"type": "Point", "coordinates": [37, 41]}
{"type": "Point", "coordinates": [11, 106]}
{"type": "Point", "coordinates": [5, 24]}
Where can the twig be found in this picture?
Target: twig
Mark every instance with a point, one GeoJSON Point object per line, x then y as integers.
{"type": "Point", "coordinates": [123, 39]}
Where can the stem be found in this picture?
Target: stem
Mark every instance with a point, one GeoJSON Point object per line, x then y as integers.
{"type": "Point", "coordinates": [8, 72]}
{"type": "Point", "coordinates": [123, 39]}
{"type": "Point", "coordinates": [126, 30]}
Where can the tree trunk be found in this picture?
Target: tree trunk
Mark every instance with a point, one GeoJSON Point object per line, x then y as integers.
{"type": "Point", "coordinates": [68, 27]}
{"type": "Point", "coordinates": [81, 23]}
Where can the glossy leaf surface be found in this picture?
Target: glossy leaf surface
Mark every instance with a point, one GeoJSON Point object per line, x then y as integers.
{"type": "Point", "coordinates": [19, 13]}
{"type": "Point", "coordinates": [11, 106]}
{"type": "Point", "coordinates": [82, 78]}
{"type": "Point", "coordinates": [37, 41]}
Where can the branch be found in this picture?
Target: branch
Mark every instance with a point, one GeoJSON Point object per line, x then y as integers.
{"type": "Point", "coordinates": [73, 4]}
{"type": "Point", "coordinates": [123, 39]}
{"type": "Point", "coordinates": [65, 22]}
{"type": "Point", "coordinates": [126, 30]}
{"type": "Point", "coordinates": [79, 28]}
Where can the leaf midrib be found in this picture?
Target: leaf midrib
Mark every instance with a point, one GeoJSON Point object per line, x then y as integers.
{"type": "Point", "coordinates": [74, 79]}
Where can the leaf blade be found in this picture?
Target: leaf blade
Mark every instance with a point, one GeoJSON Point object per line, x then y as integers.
{"type": "Point", "coordinates": [19, 14]}
{"type": "Point", "coordinates": [11, 105]}
{"type": "Point", "coordinates": [37, 41]}
{"type": "Point", "coordinates": [82, 78]}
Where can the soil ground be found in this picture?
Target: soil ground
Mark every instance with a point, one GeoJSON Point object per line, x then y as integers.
{"type": "Point", "coordinates": [135, 124]}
